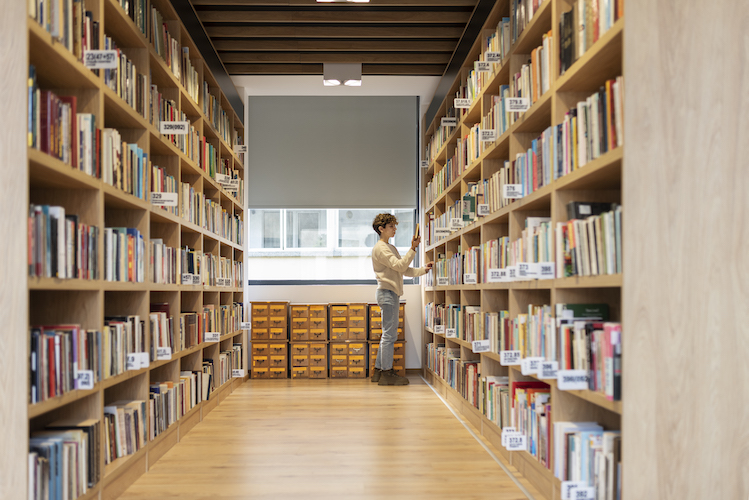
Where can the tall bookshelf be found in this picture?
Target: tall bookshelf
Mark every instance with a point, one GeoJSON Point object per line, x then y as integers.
{"type": "Point", "coordinates": [88, 302]}
{"type": "Point", "coordinates": [600, 180]}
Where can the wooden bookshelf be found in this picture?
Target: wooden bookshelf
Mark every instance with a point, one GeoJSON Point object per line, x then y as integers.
{"type": "Point", "coordinates": [598, 180]}
{"type": "Point", "coordinates": [87, 302]}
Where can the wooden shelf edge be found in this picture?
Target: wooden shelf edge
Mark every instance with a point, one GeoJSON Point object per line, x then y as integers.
{"type": "Point", "coordinates": [42, 407]}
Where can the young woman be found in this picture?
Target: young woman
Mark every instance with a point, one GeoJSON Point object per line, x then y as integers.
{"type": "Point", "coordinates": [390, 267]}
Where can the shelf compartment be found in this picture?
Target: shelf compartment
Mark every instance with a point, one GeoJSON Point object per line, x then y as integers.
{"type": "Point", "coordinates": [603, 61]}
{"type": "Point", "coordinates": [532, 36]}
{"type": "Point", "coordinates": [56, 67]}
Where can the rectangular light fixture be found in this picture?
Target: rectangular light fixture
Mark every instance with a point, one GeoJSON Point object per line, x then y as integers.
{"type": "Point", "coordinates": [341, 74]}
{"type": "Point", "coordinates": [342, 1]}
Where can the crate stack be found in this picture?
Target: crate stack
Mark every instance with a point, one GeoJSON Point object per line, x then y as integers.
{"type": "Point", "coordinates": [270, 340]}
{"type": "Point", "coordinates": [348, 340]}
{"type": "Point", "coordinates": [375, 334]}
{"type": "Point", "coordinates": [309, 341]}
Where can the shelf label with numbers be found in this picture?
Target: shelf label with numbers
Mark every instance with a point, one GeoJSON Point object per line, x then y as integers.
{"type": "Point", "coordinates": [137, 360]}
{"type": "Point", "coordinates": [517, 104]}
{"type": "Point", "coordinates": [512, 191]}
{"type": "Point", "coordinates": [424, 163]}
{"type": "Point", "coordinates": [245, 325]}
{"type": "Point", "coordinates": [516, 442]}
{"type": "Point", "coordinates": [456, 223]}
{"type": "Point", "coordinates": [163, 353]}
{"type": "Point", "coordinates": [509, 358]}
{"type": "Point", "coordinates": [175, 128]}
{"type": "Point", "coordinates": [568, 486]}
{"type": "Point", "coordinates": [495, 276]}
{"type": "Point", "coordinates": [572, 380]}
{"type": "Point", "coordinates": [548, 370]}
{"type": "Point", "coordinates": [462, 103]}
{"type": "Point", "coordinates": [512, 273]}
{"type": "Point", "coordinates": [84, 380]}
{"type": "Point", "coordinates": [100, 59]}
{"type": "Point", "coordinates": [470, 279]}
{"type": "Point", "coordinates": [196, 279]}
{"type": "Point", "coordinates": [240, 149]}
{"type": "Point", "coordinates": [529, 366]}
{"type": "Point", "coordinates": [494, 57]}
{"type": "Point", "coordinates": [451, 333]}
{"type": "Point", "coordinates": [165, 199]}
{"type": "Point", "coordinates": [488, 135]}
{"type": "Point", "coordinates": [482, 66]}
{"type": "Point", "coordinates": [442, 231]}
{"type": "Point", "coordinates": [546, 270]}
{"type": "Point", "coordinates": [482, 209]}
{"type": "Point", "coordinates": [449, 121]}
{"type": "Point", "coordinates": [506, 432]}
{"type": "Point", "coordinates": [223, 179]}
{"type": "Point", "coordinates": [439, 329]}
{"type": "Point", "coordinates": [237, 373]}
{"type": "Point", "coordinates": [186, 279]}
{"type": "Point", "coordinates": [481, 346]}
{"type": "Point", "coordinates": [212, 336]}
{"type": "Point", "coordinates": [528, 270]}
{"type": "Point", "coordinates": [582, 493]}
{"type": "Point", "coordinates": [443, 281]}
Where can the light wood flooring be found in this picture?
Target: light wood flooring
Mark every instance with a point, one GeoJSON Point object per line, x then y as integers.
{"type": "Point", "coordinates": [327, 439]}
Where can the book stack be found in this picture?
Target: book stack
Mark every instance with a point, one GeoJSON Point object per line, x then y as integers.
{"type": "Point", "coordinates": [125, 428]}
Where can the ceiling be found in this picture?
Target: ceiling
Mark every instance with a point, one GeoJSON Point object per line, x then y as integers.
{"type": "Point", "coordinates": [295, 37]}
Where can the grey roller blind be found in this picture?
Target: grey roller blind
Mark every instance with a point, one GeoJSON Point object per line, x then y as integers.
{"type": "Point", "coordinates": [332, 152]}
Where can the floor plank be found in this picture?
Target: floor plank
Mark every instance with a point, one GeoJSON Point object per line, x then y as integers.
{"type": "Point", "coordinates": [323, 439]}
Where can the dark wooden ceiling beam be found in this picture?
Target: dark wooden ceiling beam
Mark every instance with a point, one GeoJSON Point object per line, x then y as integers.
{"type": "Point", "coordinates": [316, 69]}
{"type": "Point", "coordinates": [330, 57]}
{"type": "Point", "coordinates": [334, 32]}
{"type": "Point", "coordinates": [339, 45]}
{"type": "Point", "coordinates": [328, 17]}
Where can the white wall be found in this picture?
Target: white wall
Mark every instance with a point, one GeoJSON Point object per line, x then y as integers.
{"type": "Point", "coordinates": [307, 294]}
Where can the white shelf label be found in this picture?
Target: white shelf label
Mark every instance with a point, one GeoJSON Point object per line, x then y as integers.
{"type": "Point", "coordinates": [85, 380]}
{"type": "Point", "coordinates": [424, 163]}
{"type": "Point", "coordinates": [163, 353]}
{"type": "Point", "coordinates": [494, 57]}
{"type": "Point", "coordinates": [481, 345]}
{"type": "Point", "coordinates": [100, 59]}
{"type": "Point", "coordinates": [441, 231]}
{"type": "Point", "coordinates": [137, 360]}
{"type": "Point", "coordinates": [470, 279]}
{"type": "Point", "coordinates": [482, 209]}
{"type": "Point", "coordinates": [165, 199]}
{"type": "Point", "coordinates": [237, 373]}
{"type": "Point", "coordinates": [439, 329]}
{"type": "Point", "coordinates": [456, 223]}
{"type": "Point", "coordinates": [451, 333]}
{"type": "Point", "coordinates": [548, 370]}
{"type": "Point", "coordinates": [495, 276]}
{"type": "Point", "coordinates": [546, 270]}
{"type": "Point", "coordinates": [488, 135]}
{"type": "Point", "coordinates": [568, 486]}
{"type": "Point", "coordinates": [449, 121]}
{"type": "Point", "coordinates": [186, 279]}
{"type": "Point", "coordinates": [482, 66]}
{"type": "Point", "coordinates": [240, 149]}
{"type": "Point", "coordinates": [462, 103]}
{"type": "Point", "coordinates": [506, 432]}
{"type": "Point", "coordinates": [529, 366]}
{"type": "Point", "coordinates": [512, 191]}
{"type": "Point", "coordinates": [512, 273]}
{"type": "Point", "coordinates": [196, 279]}
{"type": "Point", "coordinates": [245, 325]}
{"type": "Point", "coordinates": [176, 128]}
{"type": "Point", "coordinates": [517, 104]}
{"type": "Point", "coordinates": [572, 380]}
{"type": "Point", "coordinates": [516, 442]}
{"type": "Point", "coordinates": [528, 270]}
{"type": "Point", "coordinates": [509, 358]}
{"type": "Point", "coordinates": [212, 336]}
{"type": "Point", "coordinates": [582, 493]}
{"type": "Point", "coordinates": [443, 281]}
{"type": "Point", "coordinates": [223, 179]}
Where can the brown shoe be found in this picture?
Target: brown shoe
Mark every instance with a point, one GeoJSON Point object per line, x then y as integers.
{"type": "Point", "coordinates": [389, 377]}
{"type": "Point", "coordinates": [376, 373]}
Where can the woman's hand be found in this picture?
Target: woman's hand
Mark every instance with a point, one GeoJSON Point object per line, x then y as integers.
{"type": "Point", "coordinates": [429, 265]}
{"type": "Point", "coordinates": [415, 242]}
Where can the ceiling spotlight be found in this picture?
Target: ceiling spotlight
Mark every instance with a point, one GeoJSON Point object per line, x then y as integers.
{"type": "Point", "coordinates": [337, 73]}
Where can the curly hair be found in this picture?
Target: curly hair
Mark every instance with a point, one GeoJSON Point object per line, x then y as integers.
{"type": "Point", "coordinates": [383, 220]}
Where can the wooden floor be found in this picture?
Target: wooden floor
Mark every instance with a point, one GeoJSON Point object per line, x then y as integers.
{"type": "Point", "coordinates": [327, 439]}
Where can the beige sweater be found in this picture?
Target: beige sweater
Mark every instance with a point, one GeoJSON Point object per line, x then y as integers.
{"type": "Point", "coordinates": [390, 268]}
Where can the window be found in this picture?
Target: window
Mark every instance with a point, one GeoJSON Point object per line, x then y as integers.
{"type": "Point", "coordinates": [318, 245]}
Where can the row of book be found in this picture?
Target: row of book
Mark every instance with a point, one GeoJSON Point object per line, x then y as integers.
{"type": "Point", "coordinates": [68, 22]}
{"type": "Point", "coordinates": [521, 14]}
{"type": "Point", "coordinates": [162, 182]}
{"type": "Point", "coordinates": [583, 25]}
{"type": "Point", "coordinates": [165, 45]}
{"type": "Point", "coordinates": [125, 428]}
{"type": "Point", "coordinates": [138, 12]}
{"type": "Point", "coordinates": [210, 215]}
{"type": "Point", "coordinates": [124, 255]}
{"type": "Point", "coordinates": [64, 459]}
{"type": "Point", "coordinates": [190, 78]}
{"type": "Point", "coordinates": [60, 245]}
{"type": "Point", "coordinates": [215, 114]}
{"type": "Point", "coordinates": [132, 85]}
{"type": "Point", "coordinates": [229, 360]}
{"type": "Point", "coordinates": [123, 165]}
{"type": "Point", "coordinates": [440, 136]}
{"type": "Point", "coordinates": [592, 245]}
{"type": "Point", "coordinates": [534, 78]}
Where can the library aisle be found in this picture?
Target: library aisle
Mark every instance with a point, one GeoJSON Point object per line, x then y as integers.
{"type": "Point", "coordinates": [326, 439]}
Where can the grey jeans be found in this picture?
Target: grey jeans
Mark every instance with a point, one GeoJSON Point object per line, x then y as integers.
{"type": "Point", "coordinates": [389, 303]}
